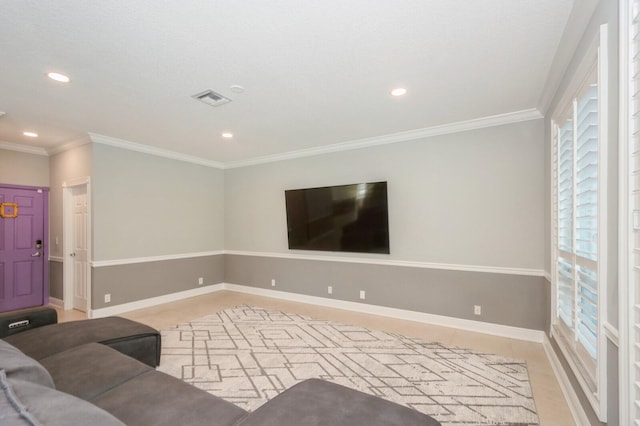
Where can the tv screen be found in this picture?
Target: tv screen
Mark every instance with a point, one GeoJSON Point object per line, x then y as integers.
{"type": "Point", "coordinates": [349, 218]}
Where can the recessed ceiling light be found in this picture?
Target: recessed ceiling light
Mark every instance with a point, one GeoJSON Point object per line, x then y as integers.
{"type": "Point", "coordinates": [31, 134]}
{"type": "Point", "coordinates": [227, 135]}
{"type": "Point", "coordinates": [58, 77]}
{"type": "Point", "coordinates": [399, 91]}
{"type": "Point", "coordinates": [236, 88]}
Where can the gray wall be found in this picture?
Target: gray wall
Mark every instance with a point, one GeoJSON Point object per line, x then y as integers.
{"type": "Point", "coordinates": [139, 281]}
{"type": "Point", "coordinates": [605, 12]}
{"type": "Point", "coordinates": [144, 205]}
{"type": "Point", "coordinates": [56, 288]}
{"type": "Point", "coordinates": [471, 198]}
{"type": "Point", "coordinates": [18, 168]}
{"type": "Point", "coordinates": [72, 164]}
{"type": "Point", "coordinates": [435, 291]}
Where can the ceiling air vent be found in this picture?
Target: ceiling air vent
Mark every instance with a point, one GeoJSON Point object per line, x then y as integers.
{"type": "Point", "coordinates": [212, 98]}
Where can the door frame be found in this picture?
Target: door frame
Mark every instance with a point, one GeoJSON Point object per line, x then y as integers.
{"type": "Point", "coordinates": [45, 252]}
{"type": "Point", "coordinates": [67, 238]}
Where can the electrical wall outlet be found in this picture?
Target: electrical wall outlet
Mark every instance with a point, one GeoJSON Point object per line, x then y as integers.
{"type": "Point", "coordinates": [107, 298]}
{"type": "Point", "coordinates": [362, 295]}
{"type": "Point", "coordinates": [477, 310]}
{"type": "Point", "coordinates": [330, 290]}
{"type": "Point", "coordinates": [200, 281]}
{"type": "Point", "coordinates": [273, 282]}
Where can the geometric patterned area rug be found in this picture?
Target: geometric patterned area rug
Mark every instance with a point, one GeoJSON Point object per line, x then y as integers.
{"type": "Point", "coordinates": [248, 355]}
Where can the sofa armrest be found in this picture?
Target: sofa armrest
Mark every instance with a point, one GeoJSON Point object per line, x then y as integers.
{"type": "Point", "coordinates": [14, 322]}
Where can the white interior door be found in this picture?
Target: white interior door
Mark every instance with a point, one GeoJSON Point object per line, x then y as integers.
{"type": "Point", "coordinates": [79, 249]}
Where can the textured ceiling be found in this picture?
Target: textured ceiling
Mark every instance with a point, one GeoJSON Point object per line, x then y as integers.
{"type": "Point", "coordinates": [316, 72]}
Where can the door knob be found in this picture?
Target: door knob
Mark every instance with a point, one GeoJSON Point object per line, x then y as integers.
{"type": "Point", "coordinates": [72, 255]}
{"type": "Point", "coordinates": [36, 254]}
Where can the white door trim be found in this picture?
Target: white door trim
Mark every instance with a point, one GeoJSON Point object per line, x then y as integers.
{"type": "Point", "coordinates": [67, 221]}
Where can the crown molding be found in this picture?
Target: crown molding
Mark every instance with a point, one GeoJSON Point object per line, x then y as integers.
{"type": "Point", "coordinates": [427, 132]}
{"type": "Point", "coordinates": [27, 149]}
{"type": "Point", "coordinates": [146, 149]}
{"type": "Point", "coordinates": [68, 145]}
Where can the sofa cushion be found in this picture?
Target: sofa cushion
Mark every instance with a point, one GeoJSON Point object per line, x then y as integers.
{"type": "Point", "coordinates": [154, 398]}
{"type": "Point", "coordinates": [92, 369]}
{"type": "Point", "coordinates": [25, 403]}
{"type": "Point", "coordinates": [129, 337]}
{"type": "Point", "coordinates": [19, 366]}
{"type": "Point", "coordinates": [316, 402]}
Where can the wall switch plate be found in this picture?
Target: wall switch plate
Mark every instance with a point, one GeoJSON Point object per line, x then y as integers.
{"type": "Point", "coordinates": [273, 282]}
{"type": "Point", "coordinates": [362, 294]}
{"type": "Point", "coordinates": [107, 298]}
{"type": "Point", "coordinates": [200, 281]}
{"type": "Point", "coordinates": [330, 290]}
{"type": "Point", "coordinates": [477, 310]}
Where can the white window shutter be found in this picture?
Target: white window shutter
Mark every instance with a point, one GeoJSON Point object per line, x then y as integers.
{"type": "Point", "coordinates": [587, 174]}
{"type": "Point", "coordinates": [634, 205]}
{"type": "Point", "coordinates": [564, 211]}
{"type": "Point", "coordinates": [586, 216]}
{"type": "Point", "coordinates": [579, 251]}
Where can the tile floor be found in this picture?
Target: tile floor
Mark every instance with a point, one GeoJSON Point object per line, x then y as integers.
{"type": "Point", "coordinates": [550, 402]}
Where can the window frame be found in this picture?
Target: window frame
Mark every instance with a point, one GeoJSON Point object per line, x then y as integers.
{"type": "Point", "coordinates": [594, 385]}
{"type": "Point", "coordinates": [628, 218]}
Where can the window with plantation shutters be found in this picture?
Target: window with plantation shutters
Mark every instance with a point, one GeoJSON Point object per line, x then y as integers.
{"type": "Point", "coordinates": [632, 149]}
{"type": "Point", "coordinates": [586, 220]}
{"type": "Point", "coordinates": [579, 275]}
{"type": "Point", "coordinates": [577, 225]}
{"type": "Point", "coordinates": [565, 221]}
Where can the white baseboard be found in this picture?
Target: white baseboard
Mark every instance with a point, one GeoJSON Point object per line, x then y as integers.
{"type": "Point", "coordinates": [154, 301]}
{"type": "Point", "coordinates": [58, 303]}
{"type": "Point", "coordinates": [459, 323]}
{"type": "Point", "coordinates": [578, 413]}
{"type": "Point", "coordinates": [441, 320]}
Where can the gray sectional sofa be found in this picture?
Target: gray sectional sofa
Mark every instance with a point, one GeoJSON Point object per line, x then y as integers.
{"type": "Point", "coordinates": [102, 372]}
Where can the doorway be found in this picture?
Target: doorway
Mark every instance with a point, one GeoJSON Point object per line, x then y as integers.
{"type": "Point", "coordinates": [76, 200]}
{"type": "Point", "coordinates": [24, 248]}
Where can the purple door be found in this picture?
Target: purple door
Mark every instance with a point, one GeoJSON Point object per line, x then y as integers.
{"type": "Point", "coordinates": [23, 247]}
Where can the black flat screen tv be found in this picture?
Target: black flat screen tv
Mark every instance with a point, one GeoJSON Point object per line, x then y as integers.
{"type": "Point", "coordinates": [344, 218]}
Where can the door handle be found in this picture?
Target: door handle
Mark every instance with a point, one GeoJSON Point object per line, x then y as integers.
{"type": "Point", "coordinates": [36, 254]}
{"type": "Point", "coordinates": [72, 255]}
